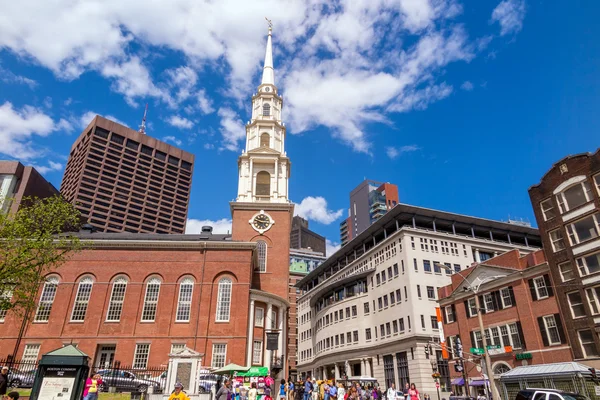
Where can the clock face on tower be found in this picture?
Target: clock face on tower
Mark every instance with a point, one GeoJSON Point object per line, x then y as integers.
{"type": "Point", "coordinates": [261, 222]}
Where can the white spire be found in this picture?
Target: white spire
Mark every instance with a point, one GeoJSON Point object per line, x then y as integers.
{"type": "Point", "coordinates": [268, 72]}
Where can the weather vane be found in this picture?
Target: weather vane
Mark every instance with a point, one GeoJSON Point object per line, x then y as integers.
{"type": "Point", "coordinates": [269, 22]}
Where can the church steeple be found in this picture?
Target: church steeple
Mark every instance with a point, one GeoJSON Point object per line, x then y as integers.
{"type": "Point", "coordinates": [268, 77]}
{"type": "Point", "coordinates": [264, 166]}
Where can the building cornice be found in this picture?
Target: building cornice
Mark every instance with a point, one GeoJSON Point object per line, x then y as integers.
{"type": "Point", "coordinates": [267, 297]}
{"type": "Point", "coordinates": [165, 244]}
{"type": "Point", "coordinates": [235, 205]}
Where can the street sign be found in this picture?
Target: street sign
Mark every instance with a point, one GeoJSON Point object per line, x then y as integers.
{"type": "Point", "coordinates": [524, 356]}
{"type": "Point", "coordinates": [475, 350]}
{"type": "Point", "coordinates": [493, 347]}
{"type": "Point", "coordinates": [458, 368]}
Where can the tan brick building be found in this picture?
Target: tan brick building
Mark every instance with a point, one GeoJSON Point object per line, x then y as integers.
{"type": "Point", "coordinates": [520, 315]}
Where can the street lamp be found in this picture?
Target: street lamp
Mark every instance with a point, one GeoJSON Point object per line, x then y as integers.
{"type": "Point", "coordinates": [486, 356]}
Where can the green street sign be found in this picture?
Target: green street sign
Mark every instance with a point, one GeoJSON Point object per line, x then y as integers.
{"type": "Point", "coordinates": [477, 351]}
{"type": "Point", "coordinates": [494, 346]}
{"type": "Point", "coordinates": [524, 356]}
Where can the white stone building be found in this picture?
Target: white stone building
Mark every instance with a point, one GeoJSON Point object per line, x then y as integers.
{"type": "Point", "coordinates": [369, 310]}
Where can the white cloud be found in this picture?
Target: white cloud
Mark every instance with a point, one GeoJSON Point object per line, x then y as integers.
{"type": "Point", "coordinates": [180, 122]}
{"type": "Point", "coordinates": [7, 76]}
{"type": "Point", "coordinates": [467, 85]}
{"type": "Point", "coordinates": [221, 226]}
{"type": "Point", "coordinates": [315, 209]}
{"type": "Point", "coordinates": [331, 247]}
{"type": "Point", "coordinates": [172, 139]}
{"type": "Point", "coordinates": [395, 152]}
{"type": "Point", "coordinates": [52, 166]}
{"type": "Point", "coordinates": [204, 103]}
{"type": "Point", "coordinates": [232, 128]}
{"type": "Point", "coordinates": [18, 127]}
{"type": "Point", "coordinates": [510, 15]}
{"type": "Point", "coordinates": [88, 116]}
{"type": "Point", "coordinates": [209, 146]}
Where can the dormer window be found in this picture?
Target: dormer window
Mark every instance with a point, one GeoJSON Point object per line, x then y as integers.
{"type": "Point", "coordinates": [266, 110]}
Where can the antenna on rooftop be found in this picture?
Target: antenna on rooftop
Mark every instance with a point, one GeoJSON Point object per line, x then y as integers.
{"type": "Point", "coordinates": [143, 125]}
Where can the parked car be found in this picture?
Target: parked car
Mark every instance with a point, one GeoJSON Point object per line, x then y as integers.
{"type": "Point", "coordinates": [20, 379]}
{"type": "Point", "coordinates": [125, 381]}
{"type": "Point", "coordinates": [206, 381]}
{"type": "Point", "coordinates": [548, 394]}
{"type": "Point", "coordinates": [161, 380]}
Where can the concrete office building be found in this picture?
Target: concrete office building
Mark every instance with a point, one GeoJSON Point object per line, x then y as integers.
{"type": "Point", "coordinates": [123, 180]}
{"type": "Point", "coordinates": [566, 203]}
{"type": "Point", "coordinates": [369, 201]}
{"type": "Point", "coordinates": [18, 181]}
{"type": "Point", "coordinates": [303, 238]}
{"type": "Point", "coordinates": [370, 308]}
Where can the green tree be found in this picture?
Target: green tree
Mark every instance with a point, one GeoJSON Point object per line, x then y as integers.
{"type": "Point", "coordinates": [36, 239]}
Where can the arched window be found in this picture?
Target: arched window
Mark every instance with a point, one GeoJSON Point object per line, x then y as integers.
{"type": "Point", "coordinates": [151, 300]}
{"type": "Point", "coordinates": [46, 300]}
{"type": "Point", "coordinates": [266, 109]}
{"type": "Point", "coordinates": [84, 291]}
{"type": "Point", "coordinates": [501, 368]}
{"type": "Point", "coordinates": [224, 300]}
{"type": "Point", "coordinates": [261, 248]}
{"type": "Point", "coordinates": [117, 297]}
{"type": "Point", "coordinates": [265, 140]}
{"type": "Point", "coordinates": [263, 184]}
{"type": "Point", "coordinates": [184, 305]}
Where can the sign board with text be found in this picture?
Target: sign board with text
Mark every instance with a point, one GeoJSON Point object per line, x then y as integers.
{"type": "Point", "coordinates": [475, 350]}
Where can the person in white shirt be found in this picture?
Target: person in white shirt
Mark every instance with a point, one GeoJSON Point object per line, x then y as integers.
{"type": "Point", "coordinates": [391, 393]}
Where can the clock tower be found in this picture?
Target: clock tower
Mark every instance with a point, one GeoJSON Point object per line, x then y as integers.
{"type": "Point", "coordinates": [262, 211]}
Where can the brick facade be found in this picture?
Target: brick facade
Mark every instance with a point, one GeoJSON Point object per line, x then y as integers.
{"type": "Point", "coordinates": [569, 174]}
{"type": "Point", "coordinates": [521, 308]}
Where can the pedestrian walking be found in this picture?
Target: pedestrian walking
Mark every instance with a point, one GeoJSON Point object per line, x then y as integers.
{"type": "Point", "coordinates": [308, 388]}
{"type": "Point", "coordinates": [224, 392]}
{"type": "Point", "coordinates": [291, 390]}
{"type": "Point", "coordinates": [315, 391]}
{"type": "Point", "coordinates": [178, 393]}
{"type": "Point", "coordinates": [12, 396]}
{"type": "Point", "coordinates": [253, 392]}
{"type": "Point", "coordinates": [413, 392]}
{"type": "Point", "coordinates": [282, 390]}
{"type": "Point", "coordinates": [341, 392]}
{"type": "Point", "coordinates": [406, 391]}
{"type": "Point", "coordinates": [92, 385]}
{"type": "Point", "coordinates": [391, 392]}
{"type": "Point", "coordinates": [3, 381]}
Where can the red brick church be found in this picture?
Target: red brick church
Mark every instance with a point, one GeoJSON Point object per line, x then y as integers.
{"type": "Point", "coordinates": [136, 297]}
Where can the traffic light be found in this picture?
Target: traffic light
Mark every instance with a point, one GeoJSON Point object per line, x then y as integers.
{"type": "Point", "coordinates": [427, 351]}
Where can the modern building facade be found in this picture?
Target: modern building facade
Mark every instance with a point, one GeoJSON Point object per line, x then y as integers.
{"type": "Point", "coordinates": [302, 261]}
{"type": "Point", "coordinates": [369, 201]}
{"type": "Point", "coordinates": [136, 297]}
{"type": "Point", "coordinates": [125, 181]}
{"type": "Point", "coordinates": [370, 308]}
{"type": "Point", "coordinates": [18, 181]}
{"type": "Point", "coordinates": [303, 238]}
{"type": "Point", "coordinates": [520, 316]}
{"type": "Point", "coordinates": [566, 203]}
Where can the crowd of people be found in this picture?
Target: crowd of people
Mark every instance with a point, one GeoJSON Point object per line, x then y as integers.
{"type": "Point", "coordinates": [328, 390]}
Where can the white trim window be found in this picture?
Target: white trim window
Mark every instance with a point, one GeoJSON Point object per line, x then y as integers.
{"type": "Point", "coordinates": [274, 317]}
{"type": "Point", "coordinates": [588, 346]}
{"type": "Point", "coordinates": [593, 297]}
{"type": "Point", "coordinates": [177, 348]}
{"type": "Point", "coordinates": [597, 182]}
{"type": "Point", "coordinates": [219, 354]}
{"type": "Point", "coordinates": [30, 353]}
{"type": "Point", "coordinates": [552, 330]}
{"type": "Point", "coordinates": [488, 301]}
{"type": "Point", "coordinates": [506, 297]}
{"type": "Point", "coordinates": [117, 297]}
{"type": "Point", "coordinates": [257, 349]}
{"type": "Point", "coordinates": [46, 300]}
{"type": "Point", "coordinates": [557, 240]}
{"type": "Point", "coordinates": [472, 307]}
{"type": "Point", "coordinates": [140, 357]}
{"type": "Point", "coordinates": [259, 317]}
{"type": "Point", "coordinates": [4, 298]}
{"type": "Point", "coordinates": [224, 300]}
{"type": "Point", "coordinates": [574, 196]}
{"type": "Point", "coordinates": [430, 293]}
{"type": "Point", "coordinates": [82, 299]}
{"type": "Point", "coordinates": [589, 264]}
{"type": "Point", "coordinates": [184, 304]}
{"type": "Point", "coordinates": [540, 287]}
{"type": "Point", "coordinates": [504, 335]}
{"type": "Point", "coordinates": [547, 208]}
{"type": "Point", "coordinates": [566, 271]}
{"type": "Point", "coordinates": [449, 314]}
{"type": "Point", "coordinates": [585, 229]}
{"type": "Point", "coordinates": [576, 304]}
{"type": "Point", "coordinates": [261, 248]}
{"type": "Point", "coordinates": [151, 300]}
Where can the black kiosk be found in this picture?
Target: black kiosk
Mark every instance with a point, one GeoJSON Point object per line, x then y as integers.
{"type": "Point", "coordinates": [61, 375]}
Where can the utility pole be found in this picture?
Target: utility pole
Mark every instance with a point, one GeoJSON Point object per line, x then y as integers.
{"type": "Point", "coordinates": [486, 356]}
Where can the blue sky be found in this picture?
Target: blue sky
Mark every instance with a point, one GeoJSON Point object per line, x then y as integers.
{"type": "Point", "coordinates": [463, 105]}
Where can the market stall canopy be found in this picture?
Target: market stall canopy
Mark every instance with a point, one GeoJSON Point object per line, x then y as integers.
{"type": "Point", "coordinates": [458, 381]}
{"type": "Point", "coordinates": [255, 371]}
{"type": "Point", "coordinates": [231, 368]}
{"type": "Point", "coordinates": [545, 370]}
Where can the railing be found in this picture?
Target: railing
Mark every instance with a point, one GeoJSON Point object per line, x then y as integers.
{"type": "Point", "coordinates": [130, 379]}
{"type": "Point", "coordinates": [21, 374]}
